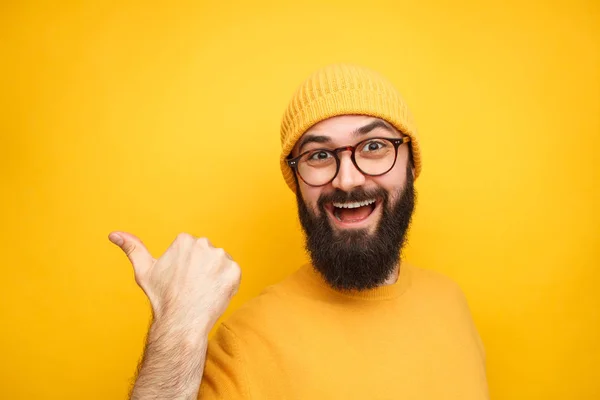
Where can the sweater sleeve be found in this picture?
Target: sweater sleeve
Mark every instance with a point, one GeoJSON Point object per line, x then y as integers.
{"type": "Point", "coordinates": [225, 374]}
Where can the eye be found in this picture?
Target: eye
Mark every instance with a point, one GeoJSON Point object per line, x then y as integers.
{"type": "Point", "coordinates": [319, 155]}
{"type": "Point", "coordinates": [373, 146]}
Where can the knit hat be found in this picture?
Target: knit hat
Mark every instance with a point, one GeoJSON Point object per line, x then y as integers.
{"type": "Point", "coordinates": [343, 89]}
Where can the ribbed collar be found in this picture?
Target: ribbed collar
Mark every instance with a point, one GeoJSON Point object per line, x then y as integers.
{"type": "Point", "coordinates": [379, 293]}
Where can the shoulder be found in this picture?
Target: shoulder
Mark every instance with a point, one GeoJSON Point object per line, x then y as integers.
{"type": "Point", "coordinates": [241, 348]}
{"type": "Point", "coordinates": [238, 353]}
{"type": "Point", "coordinates": [435, 285]}
{"type": "Point", "coordinates": [445, 297]}
{"type": "Point", "coordinates": [433, 280]}
{"type": "Point", "coordinates": [268, 311]}
{"type": "Point", "coordinates": [441, 295]}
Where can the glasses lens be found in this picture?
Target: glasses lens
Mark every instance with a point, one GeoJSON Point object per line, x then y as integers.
{"type": "Point", "coordinates": [317, 167]}
{"type": "Point", "coordinates": [375, 156]}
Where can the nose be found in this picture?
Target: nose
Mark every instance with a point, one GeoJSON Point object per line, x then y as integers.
{"type": "Point", "coordinates": [348, 176]}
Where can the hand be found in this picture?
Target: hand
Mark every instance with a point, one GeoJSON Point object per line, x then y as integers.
{"type": "Point", "coordinates": [190, 285]}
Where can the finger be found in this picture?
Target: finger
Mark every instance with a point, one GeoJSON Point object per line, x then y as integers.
{"type": "Point", "coordinates": [236, 287]}
{"type": "Point", "coordinates": [134, 249]}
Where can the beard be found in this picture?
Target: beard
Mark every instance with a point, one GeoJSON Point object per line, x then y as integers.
{"type": "Point", "coordinates": [355, 259]}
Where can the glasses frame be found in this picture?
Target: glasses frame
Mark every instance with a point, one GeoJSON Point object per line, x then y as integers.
{"type": "Point", "coordinates": [397, 142]}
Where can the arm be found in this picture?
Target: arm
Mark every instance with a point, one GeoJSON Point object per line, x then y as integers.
{"type": "Point", "coordinates": [172, 364]}
{"type": "Point", "coordinates": [189, 288]}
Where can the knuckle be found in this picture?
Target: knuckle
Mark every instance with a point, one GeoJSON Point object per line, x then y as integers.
{"type": "Point", "coordinates": [183, 237]}
{"type": "Point", "coordinates": [220, 252]}
{"type": "Point", "coordinates": [140, 278]}
{"type": "Point", "coordinates": [203, 242]}
{"type": "Point", "coordinates": [129, 248]}
{"type": "Point", "coordinates": [234, 283]}
{"type": "Point", "coordinates": [235, 273]}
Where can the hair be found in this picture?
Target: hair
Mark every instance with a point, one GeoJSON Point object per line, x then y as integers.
{"type": "Point", "coordinates": [356, 259]}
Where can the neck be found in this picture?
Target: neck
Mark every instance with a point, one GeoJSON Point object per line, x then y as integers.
{"type": "Point", "coordinates": [393, 277]}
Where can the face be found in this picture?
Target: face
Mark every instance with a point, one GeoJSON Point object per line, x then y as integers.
{"type": "Point", "coordinates": [355, 225]}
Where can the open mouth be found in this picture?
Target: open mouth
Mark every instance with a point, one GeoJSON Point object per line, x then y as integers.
{"type": "Point", "coordinates": [352, 213]}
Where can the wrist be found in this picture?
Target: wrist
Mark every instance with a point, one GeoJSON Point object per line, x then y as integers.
{"type": "Point", "coordinates": [188, 334]}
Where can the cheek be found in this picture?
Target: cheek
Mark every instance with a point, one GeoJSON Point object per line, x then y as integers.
{"type": "Point", "coordinates": [310, 196]}
{"type": "Point", "coordinates": [393, 182]}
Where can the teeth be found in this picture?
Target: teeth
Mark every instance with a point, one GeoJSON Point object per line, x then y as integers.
{"type": "Point", "coordinates": [355, 204]}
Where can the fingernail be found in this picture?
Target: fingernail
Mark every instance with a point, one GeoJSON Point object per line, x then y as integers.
{"type": "Point", "coordinates": [116, 239]}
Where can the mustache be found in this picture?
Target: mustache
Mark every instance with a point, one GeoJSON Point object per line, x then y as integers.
{"type": "Point", "coordinates": [356, 195]}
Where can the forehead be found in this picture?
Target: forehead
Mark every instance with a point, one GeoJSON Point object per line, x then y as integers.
{"type": "Point", "coordinates": [339, 129]}
{"type": "Point", "coordinates": [340, 126]}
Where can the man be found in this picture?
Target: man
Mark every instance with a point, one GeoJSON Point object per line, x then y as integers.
{"type": "Point", "coordinates": [357, 322]}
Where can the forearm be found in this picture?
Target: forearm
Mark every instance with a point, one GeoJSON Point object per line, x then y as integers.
{"type": "Point", "coordinates": [172, 365]}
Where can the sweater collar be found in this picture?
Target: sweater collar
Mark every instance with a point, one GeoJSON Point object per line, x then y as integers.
{"type": "Point", "coordinates": [383, 292]}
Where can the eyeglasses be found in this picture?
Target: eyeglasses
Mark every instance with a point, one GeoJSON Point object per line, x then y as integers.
{"type": "Point", "coordinates": [372, 157]}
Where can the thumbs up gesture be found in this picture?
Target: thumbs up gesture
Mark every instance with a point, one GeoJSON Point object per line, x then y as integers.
{"type": "Point", "coordinates": [190, 285]}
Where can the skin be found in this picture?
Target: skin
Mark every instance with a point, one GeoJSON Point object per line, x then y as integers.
{"type": "Point", "coordinates": [191, 284]}
{"type": "Point", "coordinates": [189, 288]}
{"type": "Point", "coordinates": [342, 131]}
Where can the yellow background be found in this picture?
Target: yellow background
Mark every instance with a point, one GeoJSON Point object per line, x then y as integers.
{"type": "Point", "coordinates": [163, 118]}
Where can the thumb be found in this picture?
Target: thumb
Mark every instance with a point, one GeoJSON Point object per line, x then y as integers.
{"type": "Point", "coordinates": [134, 249]}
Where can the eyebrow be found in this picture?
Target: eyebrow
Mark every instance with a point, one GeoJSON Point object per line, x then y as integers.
{"type": "Point", "coordinates": [363, 130]}
{"type": "Point", "coordinates": [378, 123]}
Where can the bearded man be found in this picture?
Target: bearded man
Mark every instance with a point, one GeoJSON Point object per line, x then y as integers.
{"type": "Point", "coordinates": [358, 321]}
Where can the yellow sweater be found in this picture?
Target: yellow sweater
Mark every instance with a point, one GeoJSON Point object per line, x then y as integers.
{"type": "Point", "coordinates": [300, 339]}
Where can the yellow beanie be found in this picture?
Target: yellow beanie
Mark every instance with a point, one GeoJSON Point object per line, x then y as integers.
{"type": "Point", "coordinates": [343, 89]}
